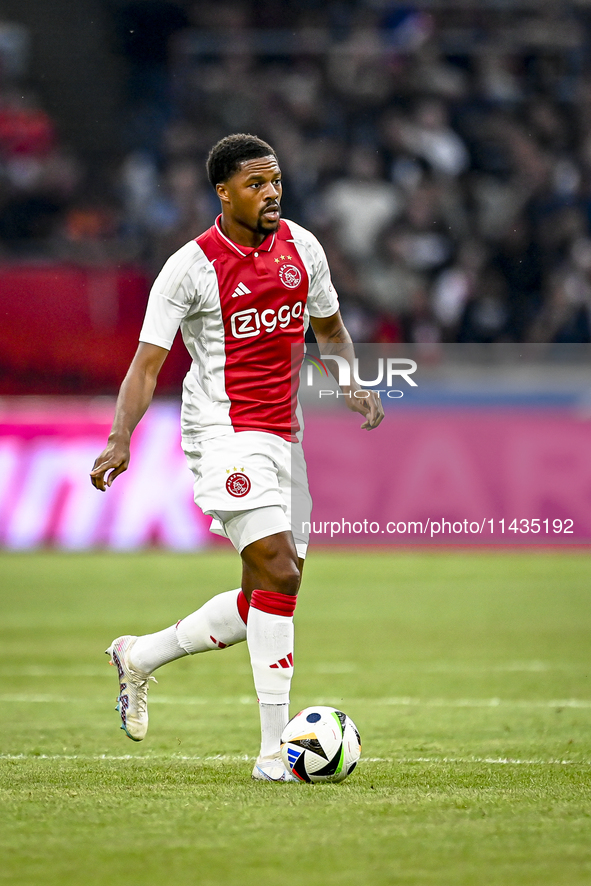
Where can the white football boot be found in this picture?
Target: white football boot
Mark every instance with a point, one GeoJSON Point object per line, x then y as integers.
{"type": "Point", "coordinates": [271, 769]}
{"type": "Point", "coordinates": [132, 702]}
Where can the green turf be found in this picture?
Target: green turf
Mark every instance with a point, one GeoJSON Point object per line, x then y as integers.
{"type": "Point", "coordinates": [468, 675]}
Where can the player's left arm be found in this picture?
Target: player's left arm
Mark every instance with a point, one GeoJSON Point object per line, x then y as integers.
{"type": "Point", "coordinates": [332, 336]}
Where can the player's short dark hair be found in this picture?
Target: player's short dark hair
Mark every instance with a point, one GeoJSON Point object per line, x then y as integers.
{"type": "Point", "coordinates": [231, 152]}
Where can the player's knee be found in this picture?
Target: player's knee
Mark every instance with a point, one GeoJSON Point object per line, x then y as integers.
{"type": "Point", "coordinates": [282, 575]}
{"type": "Point", "coordinates": [287, 581]}
{"type": "Point", "coordinates": [271, 564]}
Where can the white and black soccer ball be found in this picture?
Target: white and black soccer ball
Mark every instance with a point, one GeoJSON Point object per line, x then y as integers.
{"type": "Point", "coordinates": [321, 744]}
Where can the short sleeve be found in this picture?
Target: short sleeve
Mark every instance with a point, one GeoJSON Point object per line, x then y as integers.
{"type": "Point", "coordinates": [172, 297]}
{"type": "Point", "coordinates": [322, 299]}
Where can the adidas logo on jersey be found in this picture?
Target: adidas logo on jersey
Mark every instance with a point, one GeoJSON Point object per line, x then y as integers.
{"type": "Point", "coordinates": [241, 289]}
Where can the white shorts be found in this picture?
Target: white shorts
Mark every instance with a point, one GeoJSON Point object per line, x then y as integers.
{"type": "Point", "coordinates": [253, 484]}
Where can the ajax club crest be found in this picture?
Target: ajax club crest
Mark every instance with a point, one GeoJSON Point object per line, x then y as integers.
{"type": "Point", "coordinates": [290, 276]}
{"type": "Point", "coordinates": [238, 484]}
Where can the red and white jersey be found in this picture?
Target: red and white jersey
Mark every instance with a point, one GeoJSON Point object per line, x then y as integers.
{"type": "Point", "coordinates": [240, 311]}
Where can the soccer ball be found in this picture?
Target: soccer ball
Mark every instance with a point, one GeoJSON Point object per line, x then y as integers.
{"type": "Point", "coordinates": [320, 744]}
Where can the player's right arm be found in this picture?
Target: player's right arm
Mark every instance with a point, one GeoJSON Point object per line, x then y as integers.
{"type": "Point", "coordinates": [172, 296]}
{"type": "Point", "coordinates": [134, 398]}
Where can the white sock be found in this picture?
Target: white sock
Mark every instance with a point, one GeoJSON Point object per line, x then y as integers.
{"type": "Point", "coordinates": [219, 623]}
{"type": "Point", "coordinates": [274, 718]}
{"type": "Point", "coordinates": [269, 634]}
{"type": "Point", "coordinates": [153, 650]}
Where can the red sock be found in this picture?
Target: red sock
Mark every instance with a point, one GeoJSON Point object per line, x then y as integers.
{"type": "Point", "coordinates": [243, 606]}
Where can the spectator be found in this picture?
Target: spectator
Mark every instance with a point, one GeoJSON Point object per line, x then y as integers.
{"type": "Point", "coordinates": [361, 204]}
{"type": "Point", "coordinates": [450, 177]}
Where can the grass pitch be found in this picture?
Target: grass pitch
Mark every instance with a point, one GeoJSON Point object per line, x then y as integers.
{"type": "Point", "coordinates": [467, 674]}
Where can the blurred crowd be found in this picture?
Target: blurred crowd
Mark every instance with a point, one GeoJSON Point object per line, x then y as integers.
{"type": "Point", "coordinates": [441, 156]}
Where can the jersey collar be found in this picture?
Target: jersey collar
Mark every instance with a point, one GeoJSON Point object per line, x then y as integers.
{"type": "Point", "coordinates": [244, 251]}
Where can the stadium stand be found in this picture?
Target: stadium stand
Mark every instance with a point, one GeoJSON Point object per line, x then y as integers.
{"type": "Point", "coordinates": [441, 150]}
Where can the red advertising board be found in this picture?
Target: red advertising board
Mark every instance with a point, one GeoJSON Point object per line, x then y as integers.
{"type": "Point", "coordinates": [424, 476]}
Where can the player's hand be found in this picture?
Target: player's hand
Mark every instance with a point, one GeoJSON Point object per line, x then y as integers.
{"type": "Point", "coordinates": [371, 407]}
{"type": "Point", "coordinates": [111, 462]}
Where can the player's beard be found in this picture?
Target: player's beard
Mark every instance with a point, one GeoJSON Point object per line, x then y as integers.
{"type": "Point", "coordinates": [268, 227]}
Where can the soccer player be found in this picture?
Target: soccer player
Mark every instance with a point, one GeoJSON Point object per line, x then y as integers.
{"type": "Point", "coordinates": [243, 293]}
